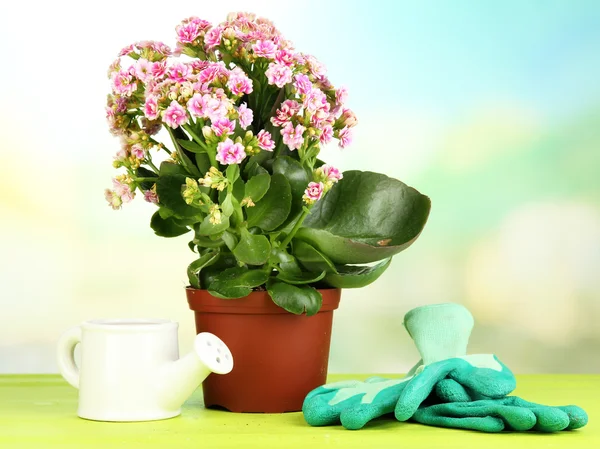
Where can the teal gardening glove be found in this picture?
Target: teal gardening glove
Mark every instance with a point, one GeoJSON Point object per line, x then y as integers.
{"type": "Point", "coordinates": [440, 332]}
{"type": "Point", "coordinates": [467, 407]}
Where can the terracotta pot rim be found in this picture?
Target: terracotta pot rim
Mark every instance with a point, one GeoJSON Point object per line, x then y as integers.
{"type": "Point", "coordinates": [257, 302]}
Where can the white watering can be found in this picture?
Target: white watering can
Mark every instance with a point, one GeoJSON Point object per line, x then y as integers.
{"type": "Point", "coordinates": [131, 371]}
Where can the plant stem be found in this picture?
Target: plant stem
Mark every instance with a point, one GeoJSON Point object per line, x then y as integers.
{"type": "Point", "coordinates": [198, 140]}
{"type": "Point", "coordinates": [178, 149]}
{"type": "Point", "coordinates": [290, 236]}
{"type": "Point", "coordinates": [149, 162]}
{"type": "Point", "coordinates": [145, 179]}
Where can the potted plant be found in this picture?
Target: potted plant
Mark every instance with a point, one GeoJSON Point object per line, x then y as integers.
{"type": "Point", "coordinates": [275, 231]}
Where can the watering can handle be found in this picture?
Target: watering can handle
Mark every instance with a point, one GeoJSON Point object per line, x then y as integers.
{"type": "Point", "coordinates": [66, 355]}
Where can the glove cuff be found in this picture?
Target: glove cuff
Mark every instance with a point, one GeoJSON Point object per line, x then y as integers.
{"type": "Point", "coordinates": [440, 331]}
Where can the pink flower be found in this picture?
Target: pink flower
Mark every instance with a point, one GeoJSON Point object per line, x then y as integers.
{"type": "Point", "coordinates": [265, 141]}
{"type": "Point", "coordinates": [212, 72]}
{"type": "Point", "coordinates": [138, 151]}
{"type": "Point", "coordinates": [151, 196]}
{"type": "Point", "coordinates": [286, 111]}
{"type": "Point", "coordinates": [123, 190]}
{"type": "Point", "coordinates": [316, 68]}
{"type": "Point", "coordinates": [223, 126]}
{"type": "Point", "coordinates": [199, 64]}
{"type": "Point", "coordinates": [349, 118]}
{"type": "Point", "coordinates": [332, 173]}
{"type": "Point", "coordinates": [143, 69]}
{"type": "Point", "coordinates": [124, 84]}
{"type": "Point", "coordinates": [126, 50]}
{"type": "Point", "coordinates": [326, 134]}
{"type": "Point", "coordinates": [303, 84]}
{"type": "Point", "coordinates": [175, 115]}
{"type": "Point", "coordinates": [341, 95]}
{"type": "Point", "coordinates": [215, 108]}
{"type": "Point", "coordinates": [265, 49]}
{"type": "Point", "coordinates": [113, 199]}
{"type": "Point", "coordinates": [230, 153]}
{"type": "Point", "coordinates": [285, 57]}
{"type": "Point", "coordinates": [151, 107]}
{"type": "Point", "coordinates": [315, 101]}
{"type": "Point", "coordinates": [159, 69]}
{"type": "Point", "coordinates": [292, 137]}
{"type": "Point", "coordinates": [345, 136]}
{"type": "Point", "coordinates": [239, 83]}
{"type": "Point", "coordinates": [161, 48]}
{"type": "Point", "coordinates": [313, 192]}
{"type": "Point", "coordinates": [186, 34]}
{"type": "Point", "coordinates": [196, 105]}
{"type": "Point", "coordinates": [213, 37]}
{"type": "Point", "coordinates": [179, 72]}
{"type": "Point", "coordinates": [121, 104]}
{"type": "Point", "coordinates": [279, 74]}
{"type": "Point", "coordinates": [245, 115]}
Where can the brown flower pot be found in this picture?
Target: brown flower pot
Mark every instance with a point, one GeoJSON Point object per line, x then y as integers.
{"type": "Point", "coordinates": [278, 357]}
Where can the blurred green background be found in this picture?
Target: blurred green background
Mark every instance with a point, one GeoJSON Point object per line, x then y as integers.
{"type": "Point", "coordinates": [490, 108]}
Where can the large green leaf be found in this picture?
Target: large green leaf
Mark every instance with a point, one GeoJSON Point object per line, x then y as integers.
{"type": "Point", "coordinates": [298, 176]}
{"type": "Point", "coordinates": [236, 282]}
{"type": "Point", "coordinates": [300, 278]}
{"type": "Point", "coordinates": [257, 186]}
{"type": "Point", "coordinates": [365, 217]}
{"type": "Point", "coordinates": [312, 259]}
{"type": "Point", "coordinates": [166, 227]}
{"type": "Point", "coordinates": [356, 276]}
{"type": "Point", "coordinates": [293, 298]}
{"type": "Point", "coordinates": [143, 172]}
{"type": "Point", "coordinates": [252, 249]}
{"type": "Point", "coordinates": [191, 146]}
{"type": "Point", "coordinates": [272, 210]}
{"type": "Point", "coordinates": [168, 188]}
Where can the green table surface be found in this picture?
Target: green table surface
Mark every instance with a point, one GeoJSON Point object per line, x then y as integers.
{"type": "Point", "coordinates": [39, 411]}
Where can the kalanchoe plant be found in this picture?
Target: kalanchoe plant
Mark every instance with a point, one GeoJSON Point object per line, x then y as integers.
{"type": "Point", "coordinates": [247, 115]}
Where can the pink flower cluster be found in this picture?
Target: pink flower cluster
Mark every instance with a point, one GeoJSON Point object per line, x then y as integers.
{"type": "Point", "coordinates": [212, 91]}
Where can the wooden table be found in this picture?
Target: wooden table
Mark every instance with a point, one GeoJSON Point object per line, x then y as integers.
{"type": "Point", "coordinates": [39, 412]}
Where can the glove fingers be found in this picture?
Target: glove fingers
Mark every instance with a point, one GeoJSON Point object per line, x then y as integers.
{"type": "Point", "coordinates": [550, 419]}
{"type": "Point", "coordinates": [316, 407]}
{"type": "Point", "coordinates": [577, 416]}
{"type": "Point", "coordinates": [419, 387]}
{"type": "Point", "coordinates": [482, 424]}
{"type": "Point", "coordinates": [485, 375]}
{"type": "Point", "coordinates": [449, 390]}
{"type": "Point", "coordinates": [357, 417]}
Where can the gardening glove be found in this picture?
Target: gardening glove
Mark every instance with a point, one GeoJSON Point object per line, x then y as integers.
{"type": "Point", "coordinates": [441, 333]}
{"type": "Point", "coordinates": [495, 415]}
{"type": "Point", "coordinates": [355, 403]}
{"type": "Point", "coordinates": [352, 403]}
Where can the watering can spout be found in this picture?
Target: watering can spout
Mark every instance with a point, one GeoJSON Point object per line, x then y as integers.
{"type": "Point", "coordinates": [178, 379]}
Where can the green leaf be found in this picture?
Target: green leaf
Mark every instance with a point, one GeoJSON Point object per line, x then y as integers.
{"type": "Point", "coordinates": [365, 217]}
{"type": "Point", "coordinates": [227, 206]}
{"type": "Point", "coordinates": [166, 227]}
{"type": "Point", "coordinates": [171, 168]}
{"type": "Point", "coordinates": [300, 278]}
{"type": "Point", "coordinates": [202, 162]}
{"type": "Point", "coordinates": [143, 172]}
{"type": "Point", "coordinates": [295, 299]}
{"type": "Point", "coordinates": [252, 249]}
{"type": "Point", "coordinates": [232, 172]}
{"type": "Point", "coordinates": [298, 176]}
{"type": "Point", "coordinates": [191, 146]}
{"type": "Point", "coordinates": [168, 188]}
{"type": "Point", "coordinates": [225, 261]}
{"type": "Point", "coordinates": [272, 210]}
{"type": "Point", "coordinates": [238, 189]}
{"type": "Point", "coordinates": [356, 276]}
{"type": "Point", "coordinates": [312, 259]}
{"type": "Point", "coordinates": [236, 282]}
{"type": "Point", "coordinates": [197, 265]}
{"type": "Point", "coordinates": [207, 228]}
{"type": "Point", "coordinates": [257, 186]}
{"type": "Point", "coordinates": [230, 240]}
{"type": "Point", "coordinates": [165, 212]}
